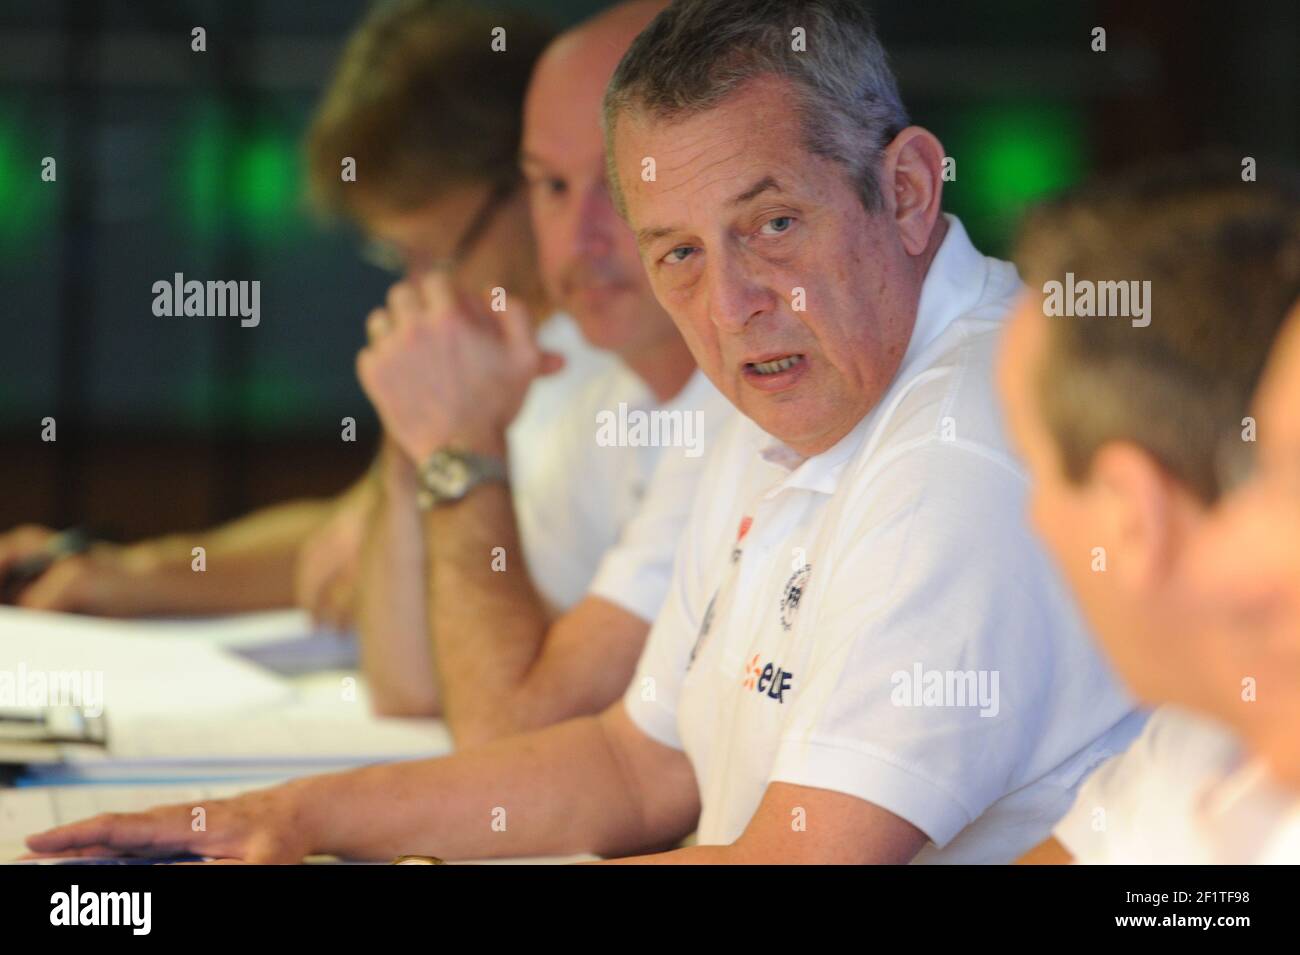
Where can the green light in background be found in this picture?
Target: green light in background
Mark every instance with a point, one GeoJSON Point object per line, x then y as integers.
{"type": "Point", "coordinates": [264, 402]}
{"type": "Point", "coordinates": [274, 401]}
{"type": "Point", "coordinates": [203, 172]}
{"type": "Point", "coordinates": [266, 182]}
{"type": "Point", "coordinates": [25, 199]}
{"type": "Point", "coordinates": [9, 188]}
{"type": "Point", "coordinates": [249, 180]}
{"type": "Point", "coordinates": [1007, 157]}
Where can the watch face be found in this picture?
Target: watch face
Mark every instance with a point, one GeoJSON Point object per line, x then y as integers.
{"type": "Point", "coordinates": [448, 475]}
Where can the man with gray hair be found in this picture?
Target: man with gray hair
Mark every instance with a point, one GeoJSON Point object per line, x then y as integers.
{"type": "Point", "coordinates": [863, 656]}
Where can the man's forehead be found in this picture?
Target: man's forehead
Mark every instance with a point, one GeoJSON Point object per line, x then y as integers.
{"type": "Point", "coordinates": [663, 168]}
{"type": "Point", "coordinates": [558, 129]}
{"type": "Point", "coordinates": [756, 113]}
{"type": "Point", "coordinates": [563, 101]}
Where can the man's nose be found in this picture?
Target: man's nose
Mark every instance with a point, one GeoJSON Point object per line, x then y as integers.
{"type": "Point", "coordinates": [736, 294]}
{"type": "Point", "coordinates": [593, 232]}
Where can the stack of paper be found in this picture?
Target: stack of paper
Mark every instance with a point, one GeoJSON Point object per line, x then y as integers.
{"type": "Point", "coordinates": [283, 741]}
{"type": "Point", "coordinates": [111, 664]}
{"type": "Point", "coordinates": [180, 704]}
{"type": "Point", "coordinates": [187, 711]}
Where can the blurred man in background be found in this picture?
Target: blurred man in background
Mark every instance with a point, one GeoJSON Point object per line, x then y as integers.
{"type": "Point", "coordinates": [436, 183]}
{"type": "Point", "coordinates": [1136, 437]}
{"type": "Point", "coordinates": [490, 614]}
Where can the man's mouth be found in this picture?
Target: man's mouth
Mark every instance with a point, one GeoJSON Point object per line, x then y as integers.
{"type": "Point", "coordinates": [773, 366]}
{"type": "Point", "coordinates": [776, 372]}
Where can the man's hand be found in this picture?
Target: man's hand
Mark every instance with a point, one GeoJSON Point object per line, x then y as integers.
{"type": "Point", "coordinates": [441, 373]}
{"type": "Point", "coordinates": [22, 542]}
{"type": "Point", "coordinates": [265, 827]}
{"type": "Point", "coordinates": [108, 580]}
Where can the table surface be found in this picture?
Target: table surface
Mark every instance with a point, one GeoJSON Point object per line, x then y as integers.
{"type": "Point", "coordinates": [310, 691]}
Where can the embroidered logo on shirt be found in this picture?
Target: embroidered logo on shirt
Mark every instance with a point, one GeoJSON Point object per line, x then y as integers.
{"type": "Point", "coordinates": [793, 594]}
{"type": "Point", "coordinates": [769, 679]}
{"type": "Point", "coordinates": [745, 524]}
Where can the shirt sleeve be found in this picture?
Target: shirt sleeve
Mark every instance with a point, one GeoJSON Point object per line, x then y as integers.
{"type": "Point", "coordinates": [1084, 831]}
{"type": "Point", "coordinates": [635, 572]}
{"type": "Point", "coordinates": [930, 687]}
{"type": "Point", "coordinates": [1137, 807]}
{"type": "Point", "coordinates": [651, 698]}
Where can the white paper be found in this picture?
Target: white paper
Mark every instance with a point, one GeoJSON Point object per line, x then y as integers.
{"type": "Point", "coordinates": [143, 672]}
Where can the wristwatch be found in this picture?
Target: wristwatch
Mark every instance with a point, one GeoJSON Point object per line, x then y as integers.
{"type": "Point", "coordinates": [450, 474]}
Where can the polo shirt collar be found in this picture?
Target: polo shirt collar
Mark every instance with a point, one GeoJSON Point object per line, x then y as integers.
{"type": "Point", "coordinates": [821, 472]}
{"type": "Point", "coordinates": [953, 285]}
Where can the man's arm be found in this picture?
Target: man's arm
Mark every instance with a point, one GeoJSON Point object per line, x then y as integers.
{"type": "Point", "coordinates": [393, 626]}
{"type": "Point", "coordinates": [594, 784]}
{"type": "Point", "coordinates": [503, 666]}
{"type": "Point", "coordinates": [802, 824]}
{"type": "Point", "coordinates": [442, 374]}
{"type": "Point", "coordinates": [249, 565]}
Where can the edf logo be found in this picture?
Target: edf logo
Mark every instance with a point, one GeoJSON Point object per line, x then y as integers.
{"type": "Point", "coordinates": [771, 680]}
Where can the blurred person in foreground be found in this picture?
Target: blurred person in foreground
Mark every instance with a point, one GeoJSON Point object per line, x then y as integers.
{"type": "Point", "coordinates": [1139, 436]}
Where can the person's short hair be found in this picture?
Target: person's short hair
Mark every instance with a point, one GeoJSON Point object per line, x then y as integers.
{"type": "Point", "coordinates": [697, 52]}
{"type": "Point", "coordinates": [1223, 259]}
{"type": "Point", "coordinates": [422, 102]}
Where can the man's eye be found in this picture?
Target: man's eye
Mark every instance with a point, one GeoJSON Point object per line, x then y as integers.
{"type": "Point", "coordinates": [549, 185]}
{"type": "Point", "coordinates": [777, 226]}
{"type": "Point", "coordinates": [678, 255]}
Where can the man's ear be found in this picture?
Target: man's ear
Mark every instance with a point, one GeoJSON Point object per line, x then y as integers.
{"type": "Point", "coordinates": [1139, 512]}
{"type": "Point", "coordinates": [911, 178]}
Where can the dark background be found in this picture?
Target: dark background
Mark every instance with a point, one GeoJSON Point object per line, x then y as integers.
{"type": "Point", "coordinates": [174, 161]}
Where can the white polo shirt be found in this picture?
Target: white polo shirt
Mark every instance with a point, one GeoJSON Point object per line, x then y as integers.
{"type": "Point", "coordinates": [603, 519]}
{"type": "Point", "coordinates": [809, 596]}
{"type": "Point", "coordinates": [1184, 793]}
